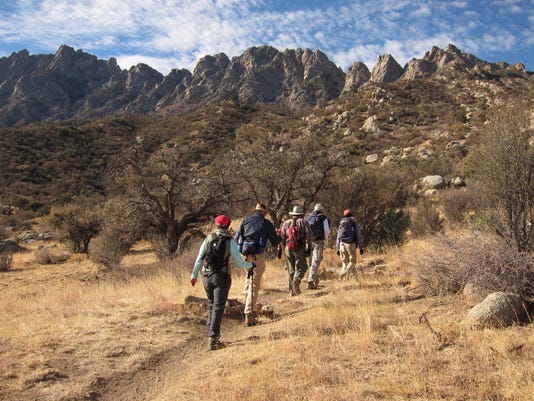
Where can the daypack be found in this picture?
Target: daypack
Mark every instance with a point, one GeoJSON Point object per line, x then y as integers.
{"type": "Point", "coordinates": [293, 236]}
{"type": "Point", "coordinates": [347, 230]}
{"type": "Point", "coordinates": [251, 236]}
{"type": "Point", "coordinates": [217, 252]}
{"type": "Point", "coordinates": [316, 222]}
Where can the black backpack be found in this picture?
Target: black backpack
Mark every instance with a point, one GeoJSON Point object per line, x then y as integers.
{"type": "Point", "coordinates": [217, 252]}
{"type": "Point", "coordinates": [316, 222]}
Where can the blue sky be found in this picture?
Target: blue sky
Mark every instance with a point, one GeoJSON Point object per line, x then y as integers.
{"type": "Point", "coordinates": [168, 34]}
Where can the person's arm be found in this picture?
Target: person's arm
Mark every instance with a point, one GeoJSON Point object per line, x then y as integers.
{"type": "Point", "coordinates": [273, 237]}
{"type": "Point", "coordinates": [200, 258]}
{"type": "Point", "coordinates": [338, 238]}
{"type": "Point", "coordinates": [283, 233]}
{"type": "Point", "coordinates": [238, 259]}
{"type": "Point", "coordinates": [359, 238]}
{"type": "Point", "coordinates": [326, 227]}
{"type": "Point", "coordinates": [238, 234]}
{"type": "Point", "coordinates": [307, 233]}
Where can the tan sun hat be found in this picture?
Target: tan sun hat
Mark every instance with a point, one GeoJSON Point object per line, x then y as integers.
{"type": "Point", "coordinates": [260, 207]}
{"type": "Point", "coordinates": [297, 211]}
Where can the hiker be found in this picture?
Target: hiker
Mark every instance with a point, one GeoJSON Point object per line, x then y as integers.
{"type": "Point", "coordinates": [296, 235]}
{"type": "Point", "coordinates": [320, 229]}
{"type": "Point", "coordinates": [251, 237]}
{"type": "Point", "coordinates": [348, 239]}
{"type": "Point", "coordinates": [213, 257]}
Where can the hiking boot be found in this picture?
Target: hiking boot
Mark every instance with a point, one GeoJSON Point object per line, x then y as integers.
{"type": "Point", "coordinates": [312, 285]}
{"type": "Point", "coordinates": [295, 288]}
{"type": "Point", "coordinates": [250, 320]}
{"type": "Point", "coordinates": [215, 344]}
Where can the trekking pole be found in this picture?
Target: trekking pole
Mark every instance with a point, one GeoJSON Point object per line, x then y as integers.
{"type": "Point", "coordinates": [250, 276]}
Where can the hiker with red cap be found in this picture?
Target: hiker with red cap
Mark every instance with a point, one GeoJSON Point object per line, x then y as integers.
{"type": "Point", "coordinates": [213, 257]}
{"type": "Point", "coordinates": [348, 240]}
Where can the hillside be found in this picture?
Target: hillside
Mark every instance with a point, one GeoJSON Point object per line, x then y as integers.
{"type": "Point", "coordinates": [427, 124]}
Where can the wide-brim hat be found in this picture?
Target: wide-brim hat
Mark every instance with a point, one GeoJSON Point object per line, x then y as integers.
{"type": "Point", "coordinates": [260, 207]}
{"type": "Point", "coordinates": [318, 207]}
{"type": "Point", "coordinates": [297, 211]}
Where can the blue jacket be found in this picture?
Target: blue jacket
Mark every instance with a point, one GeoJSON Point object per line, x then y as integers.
{"type": "Point", "coordinates": [257, 227]}
{"type": "Point", "coordinates": [349, 232]}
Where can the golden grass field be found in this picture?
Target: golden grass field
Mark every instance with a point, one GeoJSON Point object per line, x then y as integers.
{"type": "Point", "coordinates": [71, 332]}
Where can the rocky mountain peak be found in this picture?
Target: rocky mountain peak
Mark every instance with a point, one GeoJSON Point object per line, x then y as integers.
{"type": "Point", "coordinates": [356, 76]}
{"type": "Point", "coordinates": [386, 69]}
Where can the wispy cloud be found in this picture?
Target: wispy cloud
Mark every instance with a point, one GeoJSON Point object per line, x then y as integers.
{"type": "Point", "coordinates": [176, 33]}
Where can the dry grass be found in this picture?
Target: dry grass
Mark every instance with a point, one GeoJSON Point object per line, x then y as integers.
{"type": "Point", "coordinates": [70, 332]}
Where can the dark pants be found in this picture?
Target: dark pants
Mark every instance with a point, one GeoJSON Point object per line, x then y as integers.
{"type": "Point", "coordinates": [217, 286]}
{"type": "Point", "coordinates": [296, 264]}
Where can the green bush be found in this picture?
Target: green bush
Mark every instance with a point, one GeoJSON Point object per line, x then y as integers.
{"type": "Point", "coordinates": [77, 223]}
{"type": "Point", "coordinates": [378, 198]}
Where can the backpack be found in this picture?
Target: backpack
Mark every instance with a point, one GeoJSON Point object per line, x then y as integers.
{"type": "Point", "coordinates": [251, 236]}
{"type": "Point", "coordinates": [293, 235]}
{"type": "Point", "coordinates": [347, 230]}
{"type": "Point", "coordinates": [316, 222]}
{"type": "Point", "coordinates": [217, 253]}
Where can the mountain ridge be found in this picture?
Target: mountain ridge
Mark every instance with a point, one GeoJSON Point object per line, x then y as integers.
{"type": "Point", "coordinates": [72, 84]}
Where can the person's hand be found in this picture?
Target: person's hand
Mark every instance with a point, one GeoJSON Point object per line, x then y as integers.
{"type": "Point", "coordinates": [361, 251]}
{"type": "Point", "coordinates": [250, 272]}
{"type": "Point", "coordinates": [193, 281]}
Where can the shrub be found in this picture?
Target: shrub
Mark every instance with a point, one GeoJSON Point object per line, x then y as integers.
{"type": "Point", "coordinates": [458, 205]}
{"type": "Point", "coordinates": [426, 218]}
{"type": "Point", "coordinates": [45, 256]}
{"type": "Point", "coordinates": [377, 197]}
{"type": "Point", "coordinates": [77, 223]}
{"type": "Point", "coordinates": [110, 246]}
{"type": "Point", "coordinates": [6, 262]}
{"type": "Point", "coordinates": [485, 261]}
{"type": "Point", "coordinates": [504, 164]}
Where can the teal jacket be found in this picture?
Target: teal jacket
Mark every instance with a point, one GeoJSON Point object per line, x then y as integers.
{"type": "Point", "coordinates": [234, 253]}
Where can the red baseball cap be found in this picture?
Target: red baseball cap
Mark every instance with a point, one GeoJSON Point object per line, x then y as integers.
{"type": "Point", "coordinates": [347, 212]}
{"type": "Point", "coordinates": [222, 220]}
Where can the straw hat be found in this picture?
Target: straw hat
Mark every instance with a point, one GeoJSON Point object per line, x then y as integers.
{"type": "Point", "coordinates": [297, 211]}
{"type": "Point", "coordinates": [260, 207]}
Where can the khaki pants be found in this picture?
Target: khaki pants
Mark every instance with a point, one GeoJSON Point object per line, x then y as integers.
{"type": "Point", "coordinates": [316, 258]}
{"type": "Point", "coordinates": [250, 302]}
{"type": "Point", "coordinates": [348, 254]}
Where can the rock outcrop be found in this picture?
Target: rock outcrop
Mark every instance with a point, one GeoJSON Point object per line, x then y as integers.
{"type": "Point", "coordinates": [386, 69]}
{"type": "Point", "coordinates": [497, 310]}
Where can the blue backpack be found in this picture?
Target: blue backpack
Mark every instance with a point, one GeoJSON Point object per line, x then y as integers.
{"type": "Point", "coordinates": [316, 222]}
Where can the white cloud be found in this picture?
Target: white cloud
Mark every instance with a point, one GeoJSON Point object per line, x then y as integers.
{"type": "Point", "coordinates": [178, 32]}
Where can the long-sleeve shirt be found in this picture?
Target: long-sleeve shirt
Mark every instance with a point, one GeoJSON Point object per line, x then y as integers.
{"type": "Point", "coordinates": [352, 236]}
{"type": "Point", "coordinates": [234, 253]}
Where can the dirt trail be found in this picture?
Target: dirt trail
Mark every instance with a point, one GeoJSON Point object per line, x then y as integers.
{"type": "Point", "coordinates": [148, 381]}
